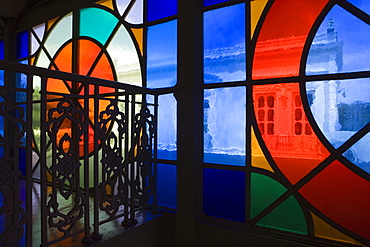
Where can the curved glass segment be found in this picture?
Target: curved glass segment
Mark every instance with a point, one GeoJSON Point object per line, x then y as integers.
{"type": "Point", "coordinates": [337, 185]}
{"type": "Point", "coordinates": [340, 107]}
{"type": "Point", "coordinates": [97, 28]}
{"type": "Point", "coordinates": [358, 153]}
{"type": "Point", "coordinates": [284, 127]}
{"type": "Point", "coordinates": [224, 126]}
{"type": "Point", "coordinates": [341, 44]}
{"type": "Point", "coordinates": [135, 14]}
{"type": "Point", "coordinates": [224, 44]}
{"type": "Point", "coordinates": [282, 37]}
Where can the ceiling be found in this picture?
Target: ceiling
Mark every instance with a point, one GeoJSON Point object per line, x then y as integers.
{"type": "Point", "coordinates": [15, 8]}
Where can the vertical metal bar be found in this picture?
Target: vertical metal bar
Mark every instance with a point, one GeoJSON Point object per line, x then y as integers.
{"type": "Point", "coordinates": [134, 145]}
{"type": "Point", "coordinates": [29, 137]}
{"type": "Point", "coordinates": [155, 158]}
{"type": "Point", "coordinates": [44, 209]}
{"type": "Point", "coordinates": [96, 234]}
{"type": "Point", "coordinates": [127, 158]}
{"type": "Point", "coordinates": [86, 119]}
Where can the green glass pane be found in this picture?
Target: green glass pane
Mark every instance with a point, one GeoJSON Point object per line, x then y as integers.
{"type": "Point", "coordinates": [264, 191]}
{"type": "Point", "coordinates": [288, 216]}
{"type": "Point", "coordinates": [97, 23]}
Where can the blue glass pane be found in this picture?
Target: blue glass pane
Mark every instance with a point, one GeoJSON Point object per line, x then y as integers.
{"type": "Point", "coordinates": [224, 44]}
{"type": "Point", "coordinates": [162, 55]}
{"type": "Point", "coordinates": [167, 185]}
{"type": "Point", "coordinates": [340, 108]}
{"type": "Point", "coordinates": [2, 49]}
{"type": "Point", "coordinates": [211, 2]}
{"type": "Point", "coordinates": [340, 45]}
{"type": "Point", "coordinates": [359, 153]}
{"type": "Point", "coordinates": [224, 126]}
{"type": "Point", "coordinates": [158, 9]}
{"type": "Point", "coordinates": [22, 160]}
{"type": "Point", "coordinates": [224, 194]}
{"type": "Point", "coordinates": [22, 44]}
{"type": "Point", "coordinates": [364, 5]}
{"type": "Point", "coordinates": [167, 127]}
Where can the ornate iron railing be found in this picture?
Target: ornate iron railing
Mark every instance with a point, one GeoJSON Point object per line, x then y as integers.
{"type": "Point", "coordinates": [92, 149]}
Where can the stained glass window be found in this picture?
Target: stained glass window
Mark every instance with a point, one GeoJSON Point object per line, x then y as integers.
{"type": "Point", "coordinates": [306, 117]}
{"type": "Point", "coordinates": [113, 40]}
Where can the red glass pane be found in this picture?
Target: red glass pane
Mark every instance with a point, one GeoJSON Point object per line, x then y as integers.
{"type": "Point", "coordinates": [341, 195]}
{"type": "Point", "coordinates": [282, 37]}
{"type": "Point", "coordinates": [294, 153]}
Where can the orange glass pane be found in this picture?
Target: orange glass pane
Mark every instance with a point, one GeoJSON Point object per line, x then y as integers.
{"type": "Point", "coordinates": [88, 54]}
{"type": "Point", "coordinates": [256, 10]}
{"type": "Point", "coordinates": [343, 196]}
{"type": "Point", "coordinates": [258, 157]}
{"type": "Point", "coordinates": [281, 39]}
{"type": "Point", "coordinates": [294, 152]}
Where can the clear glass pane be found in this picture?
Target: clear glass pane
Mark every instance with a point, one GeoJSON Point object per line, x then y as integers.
{"type": "Point", "coordinates": [125, 58]}
{"type": "Point", "coordinates": [39, 31]}
{"type": "Point", "coordinates": [135, 16]}
{"type": "Point", "coordinates": [167, 185]}
{"type": "Point", "coordinates": [224, 194]}
{"type": "Point", "coordinates": [340, 108]}
{"type": "Point", "coordinates": [340, 45]}
{"type": "Point", "coordinates": [224, 126]}
{"type": "Point", "coordinates": [162, 55]}
{"type": "Point", "coordinates": [359, 153]}
{"type": "Point", "coordinates": [167, 127]}
{"type": "Point", "coordinates": [224, 44]}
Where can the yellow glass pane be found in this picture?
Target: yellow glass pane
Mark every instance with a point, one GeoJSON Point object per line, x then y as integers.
{"type": "Point", "coordinates": [324, 230]}
{"type": "Point", "coordinates": [258, 158]}
{"type": "Point", "coordinates": [256, 10]}
{"type": "Point", "coordinates": [51, 22]}
{"type": "Point", "coordinates": [107, 3]}
{"type": "Point", "coordinates": [138, 32]}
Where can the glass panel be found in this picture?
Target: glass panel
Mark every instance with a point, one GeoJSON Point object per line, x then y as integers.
{"type": "Point", "coordinates": [340, 45]}
{"type": "Point", "coordinates": [211, 2]}
{"type": "Point", "coordinates": [264, 191]}
{"type": "Point", "coordinates": [257, 7]}
{"type": "Point", "coordinates": [337, 185]}
{"type": "Point", "coordinates": [361, 4]}
{"type": "Point", "coordinates": [282, 37]}
{"type": "Point", "coordinates": [60, 34]}
{"type": "Point", "coordinates": [340, 108]}
{"type": "Point", "coordinates": [224, 44]}
{"type": "Point", "coordinates": [94, 27]}
{"type": "Point", "coordinates": [135, 16]}
{"type": "Point", "coordinates": [39, 30]}
{"type": "Point", "coordinates": [224, 194]}
{"type": "Point", "coordinates": [125, 58]}
{"type": "Point", "coordinates": [287, 216]}
{"type": "Point", "coordinates": [295, 151]}
{"type": "Point", "coordinates": [167, 127]}
{"type": "Point", "coordinates": [22, 44]}
{"type": "Point", "coordinates": [359, 153]}
{"type": "Point", "coordinates": [158, 9]}
{"type": "Point", "coordinates": [2, 58]}
{"type": "Point", "coordinates": [224, 126]}
{"type": "Point", "coordinates": [167, 185]}
{"type": "Point", "coordinates": [162, 55]}
{"type": "Point", "coordinates": [2, 49]}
